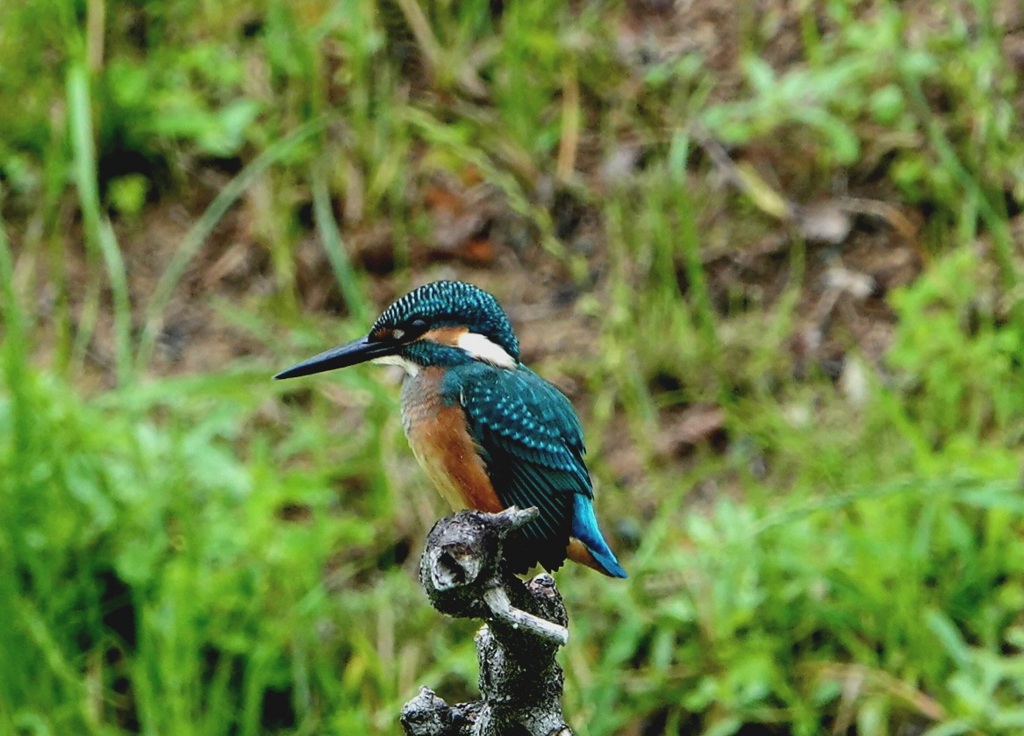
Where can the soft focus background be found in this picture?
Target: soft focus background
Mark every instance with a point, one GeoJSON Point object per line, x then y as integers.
{"type": "Point", "coordinates": [771, 250]}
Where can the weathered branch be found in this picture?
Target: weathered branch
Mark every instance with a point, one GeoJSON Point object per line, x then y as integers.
{"type": "Point", "coordinates": [463, 573]}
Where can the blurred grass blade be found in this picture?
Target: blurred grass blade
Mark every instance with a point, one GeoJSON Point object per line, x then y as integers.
{"type": "Point", "coordinates": [11, 314]}
{"type": "Point", "coordinates": [335, 246]}
{"type": "Point", "coordinates": [761, 194]}
{"type": "Point", "coordinates": [948, 636]}
{"type": "Point", "coordinates": [991, 206]}
{"type": "Point", "coordinates": [15, 358]}
{"type": "Point", "coordinates": [690, 240]}
{"type": "Point", "coordinates": [99, 235]}
{"type": "Point", "coordinates": [194, 239]}
{"type": "Point", "coordinates": [85, 325]}
{"type": "Point", "coordinates": [1002, 494]}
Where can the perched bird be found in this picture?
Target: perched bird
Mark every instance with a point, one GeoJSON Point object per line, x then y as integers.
{"type": "Point", "coordinates": [488, 431]}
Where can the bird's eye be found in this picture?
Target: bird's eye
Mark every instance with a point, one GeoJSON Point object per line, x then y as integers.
{"type": "Point", "coordinates": [408, 331]}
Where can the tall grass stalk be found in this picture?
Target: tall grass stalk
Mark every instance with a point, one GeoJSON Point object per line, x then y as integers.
{"type": "Point", "coordinates": [334, 246]}
{"type": "Point", "coordinates": [99, 235]}
{"type": "Point", "coordinates": [689, 239]}
{"type": "Point", "coordinates": [991, 208]}
{"type": "Point", "coordinates": [15, 356]}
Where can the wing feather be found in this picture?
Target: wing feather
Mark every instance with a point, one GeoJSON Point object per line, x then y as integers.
{"type": "Point", "coordinates": [532, 445]}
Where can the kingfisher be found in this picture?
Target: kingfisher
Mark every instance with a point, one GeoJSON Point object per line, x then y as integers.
{"type": "Point", "coordinates": [489, 432]}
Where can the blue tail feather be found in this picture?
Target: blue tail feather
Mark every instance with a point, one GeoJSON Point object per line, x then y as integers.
{"type": "Point", "coordinates": [585, 529]}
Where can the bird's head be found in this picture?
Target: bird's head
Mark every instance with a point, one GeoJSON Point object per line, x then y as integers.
{"type": "Point", "coordinates": [445, 323]}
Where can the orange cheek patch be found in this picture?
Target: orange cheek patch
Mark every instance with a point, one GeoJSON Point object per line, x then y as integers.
{"type": "Point", "coordinates": [445, 335]}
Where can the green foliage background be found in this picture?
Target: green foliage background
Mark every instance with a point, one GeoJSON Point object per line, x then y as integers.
{"type": "Point", "coordinates": [212, 554]}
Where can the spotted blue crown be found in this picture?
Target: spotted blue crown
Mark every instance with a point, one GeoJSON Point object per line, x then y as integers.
{"type": "Point", "coordinates": [452, 304]}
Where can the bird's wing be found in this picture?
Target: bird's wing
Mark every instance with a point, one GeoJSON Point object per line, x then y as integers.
{"type": "Point", "coordinates": [532, 445]}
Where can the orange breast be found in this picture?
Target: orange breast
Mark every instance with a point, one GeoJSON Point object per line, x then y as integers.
{"type": "Point", "coordinates": [442, 444]}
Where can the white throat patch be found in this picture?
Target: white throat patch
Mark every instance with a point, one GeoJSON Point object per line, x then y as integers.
{"type": "Point", "coordinates": [407, 365]}
{"type": "Point", "coordinates": [483, 348]}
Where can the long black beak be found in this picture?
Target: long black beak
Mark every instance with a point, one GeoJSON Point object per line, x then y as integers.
{"type": "Point", "coordinates": [353, 353]}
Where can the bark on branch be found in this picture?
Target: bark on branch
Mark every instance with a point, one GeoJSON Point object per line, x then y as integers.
{"type": "Point", "coordinates": [463, 573]}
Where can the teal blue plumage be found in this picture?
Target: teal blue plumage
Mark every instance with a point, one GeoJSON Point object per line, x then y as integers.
{"type": "Point", "coordinates": [452, 304]}
{"type": "Point", "coordinates": [531, 442]}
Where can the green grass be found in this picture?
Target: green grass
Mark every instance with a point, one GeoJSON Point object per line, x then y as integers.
{"type": "Point", "coordinates": [213, 553]}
